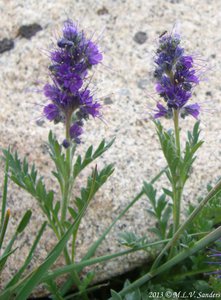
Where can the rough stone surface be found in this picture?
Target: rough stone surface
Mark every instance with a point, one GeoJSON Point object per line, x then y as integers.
{"type": "Point", "coordinates": [6, 45]}
{"type": "Point", "coordinates": [28, 31]}
{"type": "Point", "coordinates": [127, 67]}
{"type": "Point", "coordinates": [140, 37]}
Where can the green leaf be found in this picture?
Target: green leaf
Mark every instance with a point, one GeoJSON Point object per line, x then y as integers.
{"type": "Point", "coordinates": [166, 214]}
{"type": "Point", "coordinates": [150, 192]}
{"type": "Point", "coordinates": [80, 163]}
{"type": "Point", "coordinates": [156, 231]}
{"type": "Point", "coordinates": [151, 212]}
{"type": "Point", "coordinates": [192, 145]}
{"type": "Point", "coordinates": [168, 193]}
{"type": "Point", "coordinates": [27, 178]}
{"type": "Point", "coordinates": [88, 262]}
{"type": "Point", "coordinates": [161, 210]}
{"type": "Point", "coordinates": [91, 251]}
{"type": "Point", "coordinates": [4, 257]}
{"type": "Point", "coordinates": [24, 222]}
{"type": "Point", "coordinates": [72, 212]}
{"type": "Point", "coordinates": [94, 182]}
{"type": "Point", "coordinates": [168, 146]}
{"type": "Point", "coordinates": [87, 281]}
{"type": "Point", "coordinates": [18, 274]}
{"type": "Point", "coordinates": [4, 227]}
{"type": "Point", "coordinates": [35, 278]}
{"type": "Point", "coordinates": [134, 295]}
{"type": "Point", "coordinates": [115, 296]}
{"type": "Point", "coordinates": [131, 240]}
{"type": "Point", "coordinates": [53, 289]}
{"type": "Point", "coordinates": [201, 244]}
{"type": "Point", "coordinates": [57, 207]}
{"type": "Point", "coordinates": [161, 204]}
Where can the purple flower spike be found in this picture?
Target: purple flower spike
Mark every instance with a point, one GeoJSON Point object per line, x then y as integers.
{"type": "Point", "coordinates": [175, 76]}
{"type": "Point", "coordinates": [71, 62]}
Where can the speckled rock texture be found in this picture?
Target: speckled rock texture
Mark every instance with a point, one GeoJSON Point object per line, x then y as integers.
{"type": "Point", "coordinates": [128, 31]}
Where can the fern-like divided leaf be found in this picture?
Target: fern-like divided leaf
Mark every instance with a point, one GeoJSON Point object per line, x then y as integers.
{"type": "Point", "coordinates": [90, 156]}
{"type": "Point", "coordinates": [209, 217]}
{"type": "Point", "coordinates": [183, 164]}
{"type": "Point", "coordinates": [94, 182]}
{"type": "Point", "coordinates": [133, 295]}
{"type": "Point", "coordinates": [27, 178]}
{"type": "Point", "coordinates": [167, 142]}
{"type": "Point", "coordinates": [131, 240]}
{"type": "Point", "coordinates": [56, 154]}
{"type": "Point", "coordinates": [161, 210]}
{"type": "Point", "coordinates": [115, 296]}
{"type": "Point", "coordinates": [192, 145]}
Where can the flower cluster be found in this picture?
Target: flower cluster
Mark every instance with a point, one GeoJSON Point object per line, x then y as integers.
{"type": "Point", "coordinates": [176, 77]}
{"type": "Point", "coordinates": [71, 102]}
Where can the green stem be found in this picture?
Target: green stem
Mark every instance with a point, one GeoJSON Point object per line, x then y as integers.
{"type": "Point", "coordinates": [5, 189]}
{"type": "Point", "coordinates": [74, 275]}
{"type": "Point", "coordinates": [79, 266]}
{"type": "Point", "coordinates": [85, 263]}
{"type": "Point", "coordinates": [96, 244]}
{"type": "Point", "coordinates": [188, 221]}
{"type": "Point", "coordinates": [177, 130]}
{"type": "Point", "coordinates": [177, 188]}
{"type": "Point", "coordinates": [68, 186]}
{"type": "Point", "coordinates": [66, 192]}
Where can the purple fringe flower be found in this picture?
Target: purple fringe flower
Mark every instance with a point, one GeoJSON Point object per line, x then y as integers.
{"type": "Point", "coordinates": [215, 260]}
{"type": "Point", "coordinates": [176, 77]}
{"type": "Point", "coordinates": [76, 131]}
{"type": "Point", "coordinates": [74, 56]}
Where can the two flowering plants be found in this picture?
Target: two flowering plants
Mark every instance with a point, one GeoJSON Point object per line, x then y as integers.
{"type": "Point", "coordinates": [72, 103]}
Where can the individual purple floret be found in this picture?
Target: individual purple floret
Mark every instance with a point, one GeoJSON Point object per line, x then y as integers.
{"type": "Point", "coordinates": [71, 100]}
{"type": "Point", "coordinates": [76, 131]}
{"type": "Point", "coordinates": [161, 111]}
{"type": "Point", "coordinates": [176, 77]}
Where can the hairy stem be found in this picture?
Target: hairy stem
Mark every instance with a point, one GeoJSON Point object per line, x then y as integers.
{"type": "Point", "coordinates": [177, 130]}
{"type": "Point", "coordinates": [177, 188]}
{"type": "Point", "coordinates": [67, 180]}
{"type": "Point", "coordinates": [66, 195]}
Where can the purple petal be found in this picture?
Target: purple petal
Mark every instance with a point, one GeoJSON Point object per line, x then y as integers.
{"type": "Point", "coordinates": [161, 112]}
{"type": "Point", "coordinates": [75, 131]}
{"type": "Point", "coordinates": [70, 30]}
{"type": "Point", "coordinates": [187, 61]}
{"type": "Point", "coordinates": [51, 92]}
{"type": "Point", "coordinates": [193, 110]}
{"type": "Point", "coordinates": [93, 54]}
{"type": "Point", "coordinates": [51, 111]}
